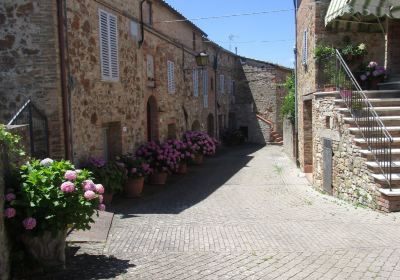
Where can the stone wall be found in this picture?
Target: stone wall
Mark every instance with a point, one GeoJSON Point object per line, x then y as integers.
{"type": "Point", "coordinates": [4, 262]}
{"type": "Point", "coordinates": [29, 65]}
{"type": "Point", "coordinates": [393, 46]}
{"type": "Point", "coordinates": [288, 138]}
{"type": "Point", "coordinates": [259, 91]}
{"type": "Point", "coordinates": [352, 181]}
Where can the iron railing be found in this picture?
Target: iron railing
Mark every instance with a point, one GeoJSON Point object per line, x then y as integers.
{"type": "Point", "coordinates": [375, 134]}
{"type": "Point", "coordinates": [36, 122]}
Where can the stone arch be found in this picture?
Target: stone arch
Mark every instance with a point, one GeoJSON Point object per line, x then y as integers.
{"type": "Point", "coordinates": [196, 126]}
{"type": "Point", "coordinates": [152, 119]}
{"type": "Point", "coordinates": [210, 125]}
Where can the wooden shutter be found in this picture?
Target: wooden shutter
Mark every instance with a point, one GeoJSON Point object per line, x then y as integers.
{"type": "Point", "coordinates": [171, 76]}
{"type": "Point", "coordinates": [108, 33]}
{"type": "Point", "coordinates": [196, 82]}
{"type": "Point", "coordinates": [205, 88]}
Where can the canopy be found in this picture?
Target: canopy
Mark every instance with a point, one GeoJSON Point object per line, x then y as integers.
{"type": "Point", "coordinates": [345, 9]}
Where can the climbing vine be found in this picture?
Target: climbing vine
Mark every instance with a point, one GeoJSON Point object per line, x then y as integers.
{"type": "Point", "coordinates": [288, 105]}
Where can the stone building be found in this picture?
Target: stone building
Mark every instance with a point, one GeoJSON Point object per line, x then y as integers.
{"type": "Point", "coordinates": [258, 98]}
{"type": "Point", "coordinates": [332, 142]}
{"type": "Point", "coordinates": [109, 75]}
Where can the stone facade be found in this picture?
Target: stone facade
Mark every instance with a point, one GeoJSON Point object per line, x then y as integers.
{"type": "Point", "coordinates": [288, 138]}
{"type": "Point", "coordinates": [352, 180]}
{"type": "Point", "coordinates": [259, 91]}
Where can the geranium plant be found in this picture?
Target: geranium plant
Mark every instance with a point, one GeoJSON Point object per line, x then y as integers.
{"type": "Point", "coordinates": [200, 142]}
{"type": "Point", "coordinates": [136, 167]}
{"type": "Point", "coordinates": [161, 157]}
{"type": "Point", "coordinates": [110, 174]}
{"type": "Point", "coordinates": [53, 196]}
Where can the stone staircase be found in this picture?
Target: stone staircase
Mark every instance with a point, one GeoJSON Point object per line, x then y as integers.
{"type": "Point", "coordinates": [275, 137]}
{"type": "Point", "coordinates": [387, 105]}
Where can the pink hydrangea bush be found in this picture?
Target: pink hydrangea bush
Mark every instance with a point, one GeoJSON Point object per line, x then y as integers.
{"type": "Point", "coordinates": [136, 167]}
{"type": "Point", "coordinates": [161, 157]}
{"type": "Point", "coordinates": [200, 142]}
{"type": "Point", "coordinates": [185, 152]}
{"type": "Point", "coordinates": [52, 196]}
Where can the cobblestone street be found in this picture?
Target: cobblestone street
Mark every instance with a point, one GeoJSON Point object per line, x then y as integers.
{"type": "Point", "coordinates": [245, 214]}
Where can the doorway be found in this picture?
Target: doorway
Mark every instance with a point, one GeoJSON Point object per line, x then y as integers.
{"type": "Point", "coordinates": [210, 125]}
{"type": "Point", "coordinates": [152, 119]}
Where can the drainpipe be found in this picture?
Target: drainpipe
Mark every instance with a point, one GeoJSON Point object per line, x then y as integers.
{"type": "Point", "coordinates": [296, 115]}
{"type": "Point", "coordinates": [141, 23]}
{"type": "Point", "coordinates": [64, 82]}
{"type": "Point", "coordinates": [215, 66]}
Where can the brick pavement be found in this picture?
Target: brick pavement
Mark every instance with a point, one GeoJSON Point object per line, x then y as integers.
{"type": "Point", "coordinates": [245, 214]}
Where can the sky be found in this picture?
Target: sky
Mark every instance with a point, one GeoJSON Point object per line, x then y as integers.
{"type": "Point", "coordinates": [247, 33]}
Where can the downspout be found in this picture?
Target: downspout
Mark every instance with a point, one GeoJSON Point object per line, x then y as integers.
{"type": "Point", "coordinates": [64, 82]}
{"type": "Point", "coordinates": [215, 66]}
{"type": "Point", "coordinates": [141, 23]}
{"type": "Point", "coordinates": [296, 114]}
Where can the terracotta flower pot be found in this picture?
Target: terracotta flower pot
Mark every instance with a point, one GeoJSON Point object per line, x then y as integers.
{"type": "Point", "coordinates": [198, 159]}
{"type": "Point", "coordinates": [158, 178]}
{"type": "Point", "coordinates": [107, 198]}
{"type": "Point", "coordinates": [47, 249]}
{"type": "Point", "coordinates": [134, 187]}
{"type": "Point", "coordinates": [182, 169]}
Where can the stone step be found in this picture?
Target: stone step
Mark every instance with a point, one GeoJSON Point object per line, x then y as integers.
{"type": "Point", "coordinates": [392, 85]}
{"type": "Point", "coordinates": [393, 130]}
{"type": "Point", "coordinates": [387, 120]}
{"type": "Point", "coordinates": [382, 177]}
{"type": "Point", "coordinates": [370, 156]}
{"type": "Point", "coordinates": [375, 101]}
{"type": "Point", "coordinates": [375, 139]}
{"type": "Point", "coordinates": [381, 111]}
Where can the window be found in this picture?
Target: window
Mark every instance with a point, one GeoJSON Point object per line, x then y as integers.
{"type": "Point", "coordinates": [221, 83]}
{"type": "Point", "coordinates": [150, 67]}
{"type": "Point", "coordinates": [134, 28]}
{"type": "Point", "coordinates": [108, 31]}
{"type": "Point", "coordinates": [229, 86]}
{"type": "Point", "coordinates": [305, 47]}
{"type": "Point", "coordinates": [148, 13]}
{"type": "Point", "coordinates": [196, 82]}
{"type": "Point", "coordinates": [205, 88]}
{"type": "Point", "coordinates": [171, 76]}
{"type": "Point", "coordinates": [233, 88]}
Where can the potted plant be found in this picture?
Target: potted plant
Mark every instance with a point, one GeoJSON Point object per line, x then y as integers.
{"type": "Point", "coordinates": [110, 174]}
{"type": "Point", "coordinates": [52, 197]}
{"type": "Point", "coordinates": [323, 52]}
{"type": "Point", "coordinates": [137, 169]}
{"type": "Point", "coordinates": [163, 159]}
{"type": "Point", "coordinates": [185, 154]}
{"type": "Point", "coordinates": [373, 75]}
{"type": "Point", "coordinates": [200, 144]}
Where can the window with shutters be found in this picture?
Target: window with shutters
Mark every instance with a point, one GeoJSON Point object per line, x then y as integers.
{"type": "Point", "coordinates": [150, 67]}
{"type": "Point", "coordinates": [229, 86]}
{"type": "Point", "coordinates": [108, 30]}
{"type": "Point", "coordinates": [305, 47]}
{"type": "Point", "coordinates": [205, 89]}
{"type": "Point", "coordinates": [196, 82]}
{"type": "Point", "coordinates": [221, 83]}
{"type": "Point", "coordinates": [171, 76]}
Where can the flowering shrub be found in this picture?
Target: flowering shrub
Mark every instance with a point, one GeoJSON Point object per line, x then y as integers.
{"type": "Point", "coordinates": [110, 174]}
{"type": "Point", "coordinates": [373, 70]}
{"type": "Point", "coordinates": [136, 167]}
{"type": "Point", "coordinates": [161, 157]}
{"type": "Point", "coordinates": [185, 152]}
{"type": "Point", "coordinates": [200, 142]}
{"type": "Point", "coordinates": [53, 196]}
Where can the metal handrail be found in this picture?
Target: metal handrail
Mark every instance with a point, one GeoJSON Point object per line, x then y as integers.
{"type": "Point", "coordinates": [375, 132]}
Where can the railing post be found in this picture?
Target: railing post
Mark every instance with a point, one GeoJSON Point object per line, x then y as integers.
{"type": "Point", "coordinates": [31, 134]}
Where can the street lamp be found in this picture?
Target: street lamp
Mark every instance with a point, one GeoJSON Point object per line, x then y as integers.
{"type": "Point", "coordinates": [202, 59]}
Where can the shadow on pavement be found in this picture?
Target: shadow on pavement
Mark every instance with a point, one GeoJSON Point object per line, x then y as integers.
{"type": "Point", "coordinates": [183, 192]}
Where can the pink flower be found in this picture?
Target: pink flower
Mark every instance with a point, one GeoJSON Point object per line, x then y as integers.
{"type": "Point", "coordinates": [88, 185]}
{"type": "Point", "coordinates": [89, 195]}
{"type": "Point", "coordinates": [10, 197]}
{"type": "Point", "coordinates": [67, 187]}
{"type": "Point", "coordinates": [101, 198]}
{"type": "Point", "coordinates": [99, 188]}
{"type": "Point", "coordinates": [29, 223]}
{"type": "Point", "coordinates": [102, 207]}
{"type": "Point", "coordinates": [10, 212]}
{"type": "Point", "coordinates": [70, 175]}
{"type": "Point", "coordinates": [133, 170]}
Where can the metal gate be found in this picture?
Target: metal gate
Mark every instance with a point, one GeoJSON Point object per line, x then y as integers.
{"type": "Point", "coordinates": [327, 162]}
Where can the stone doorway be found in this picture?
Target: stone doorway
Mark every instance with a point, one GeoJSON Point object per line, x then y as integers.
{"type": "Point", "coordinates": [112, 140]}
{"type": "Point", "coordinates": [152, 119]}
{"type": "Point", "coordinates": [210, 125]}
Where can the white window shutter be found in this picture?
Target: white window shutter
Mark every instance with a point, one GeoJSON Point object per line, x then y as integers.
{"type": "Point", "coordinates": [150, 66]}
{"type": "Point", "coordinates": [104, 45]}
{"type": "Point", "coordinates": [114, 46]}
{"type": "Point", "coordinates": [205, 89]}
{"type": "Point", "coordinates": [108, 33]}
{"type": "Point", "coordinates": [196, 82]}
{"type": "Point", "coordinates": [305, 47]}
{"type": "Point", "coordinates": [171, 76]}
{"type": "Point", "coordinates": [222, 83]}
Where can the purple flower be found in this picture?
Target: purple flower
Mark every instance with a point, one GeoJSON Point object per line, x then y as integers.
{"type": "Point", "coordinates": [10, 197]}
{"type": "Point", "coordinates": [10, 212]}
{"type": "Point", "coordinates": [98, 162]}
{"type": "Point", "coordinates": [88, 185]}
{"type": "Point", "coordinates": [67, 187]}
{"type": "Point", "coordinates": [101, 198]}
{"type": "Point", "coordinates": [46, 162]}
{"type": "Point", "coordinates": [363, 77]}
{"type": "Point", "coordinates": [70, 175]}
{"type": "Point", "coordinates": [29, 223]}
{"type": "Point", "coordinates": [89, 195]}
{"type": "Point", "coordinates": [102, 207]}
